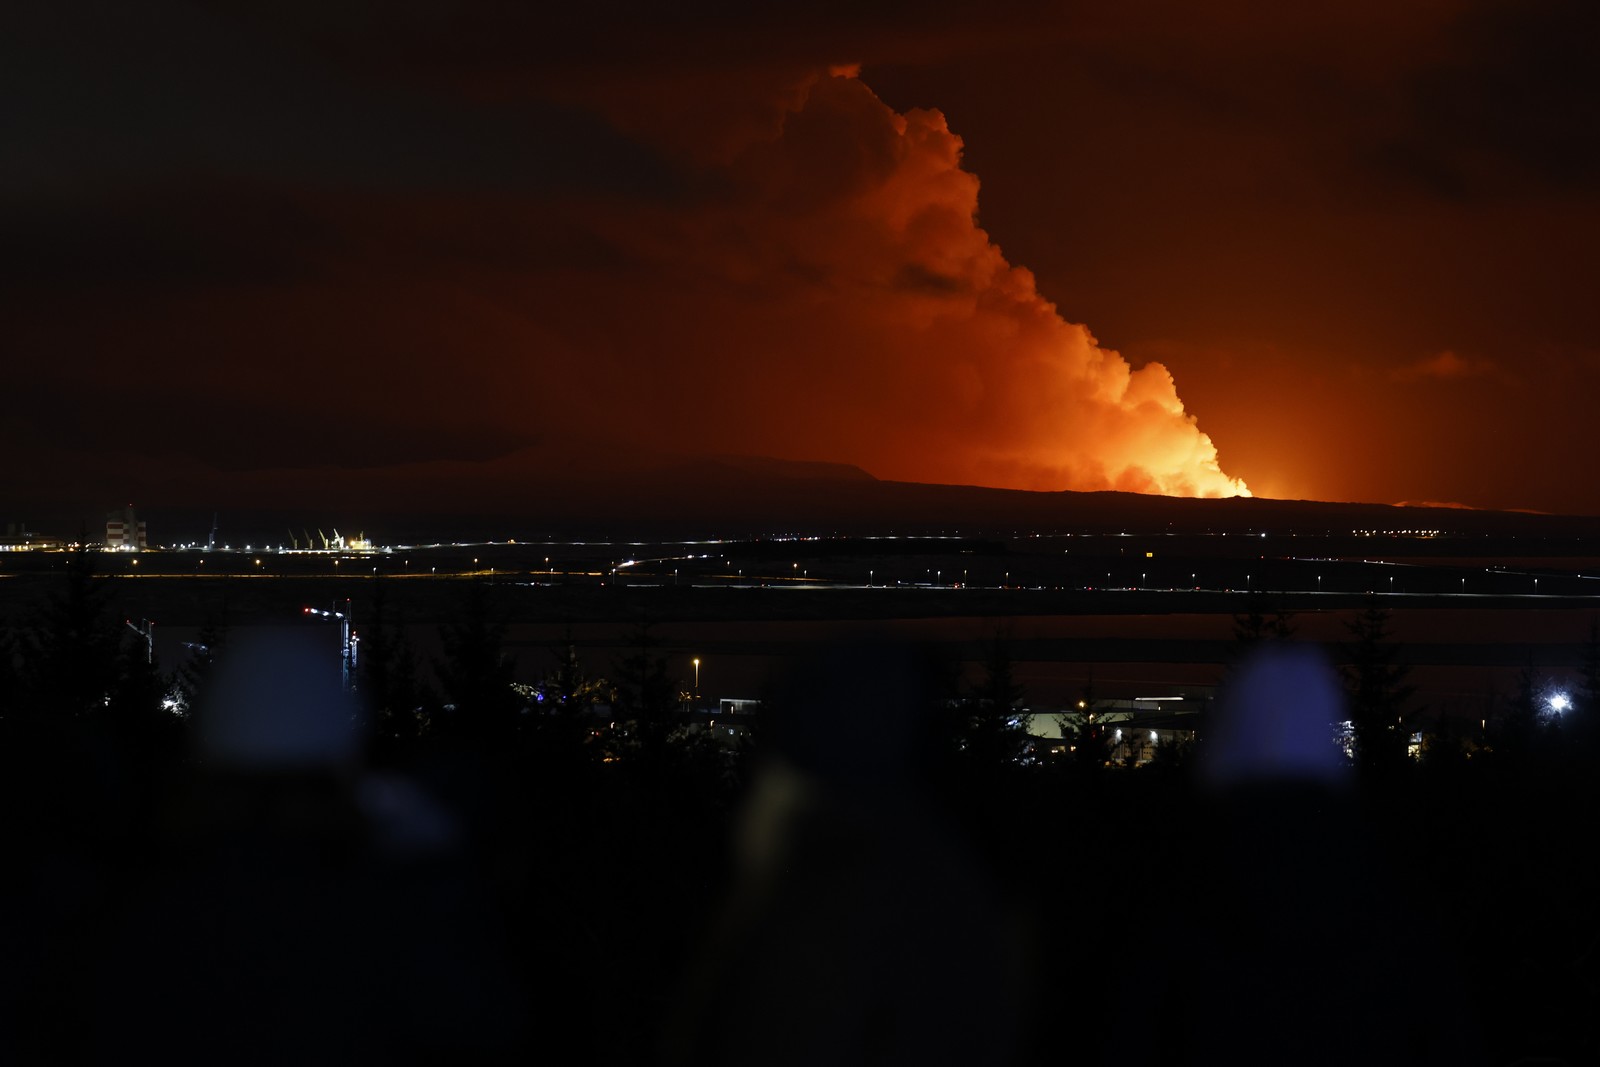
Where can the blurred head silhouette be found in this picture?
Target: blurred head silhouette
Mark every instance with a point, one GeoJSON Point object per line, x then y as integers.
{"type": "Point", "coordinates": [1275, 722]}
{"type": "Point", "coordinates": [855, 715]}
{"type": "Point", "coordinates": [276, 704]}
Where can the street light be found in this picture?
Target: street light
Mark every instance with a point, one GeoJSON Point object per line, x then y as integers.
{"type": "Point", "coordinates": [697, 676]}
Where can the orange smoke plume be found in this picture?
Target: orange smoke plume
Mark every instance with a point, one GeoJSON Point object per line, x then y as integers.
{"type": "Point", "coordinates": [838, 300]}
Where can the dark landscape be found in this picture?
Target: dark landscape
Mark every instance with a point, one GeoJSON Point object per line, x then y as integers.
{"type": "Point", "coordinates": [594, 720]}
{"type": "Point", "coordinates": [712, 533]}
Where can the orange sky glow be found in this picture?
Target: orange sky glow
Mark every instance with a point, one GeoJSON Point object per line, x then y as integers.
{"type": "Point", "coordinates": [1154, 249]}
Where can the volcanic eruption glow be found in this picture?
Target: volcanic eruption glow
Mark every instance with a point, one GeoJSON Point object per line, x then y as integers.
{"type": "Point", "coordinates": [876, 323]}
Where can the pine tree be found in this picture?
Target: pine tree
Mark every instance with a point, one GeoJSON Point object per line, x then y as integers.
{"type": "Point", "coordinates": [1518, 728]}
{"type": "Point", "coordinates": [134, 702]}
{"type": "Point", "coordinates": [191, 677]}
{"type": "Point", "coordinates": [1256, 625]}
{"type": "Point", "coordinates": [1585, 718]}
{"type": "Point", "coordinates": [567, 682]}
{"type": "Point", "coordinates": [1378, 693]}
{"type": "Point", "coordinates": [72, 646]}
{"type": "Point", "coordinates": [992, 733]}
{"type": "Point", "coordinates": [1090, 737]}
{"type": "Point", "coordinates": [646, 696]}
{"type": "Point", "coordinates": [10, 674]}
{"type": "Point", "coordinates": [388, 676]}
{"type": "Point", "coordinates": [569, 696]}
{"type": "Point", "coordinates": [476, 673]}
{"type": "Point", "coordinates": [1588, 694]}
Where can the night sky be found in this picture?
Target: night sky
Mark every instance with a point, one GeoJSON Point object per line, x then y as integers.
{"type": "Point", "coordinates": [1343, 252]}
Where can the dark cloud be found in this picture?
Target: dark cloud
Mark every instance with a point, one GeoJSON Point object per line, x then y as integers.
{"type": "Point", "coordinates": [236, 434]}
{"type": "Point", "coordinates": [452, 229]}
{"type": "Point", "coordinates": [183, 234]}
{"type": "Point", "coordinates": [1509, 108]}
{"type": "Point", "coordinates": [118, 97]}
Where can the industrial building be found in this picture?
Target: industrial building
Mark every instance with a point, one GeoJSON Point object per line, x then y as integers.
{"type": "Point", "coordinates": [125, 531]}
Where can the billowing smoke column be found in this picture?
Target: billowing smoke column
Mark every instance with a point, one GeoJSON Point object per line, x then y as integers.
{"type": "Point", "coordinates": [688, 260]}
{"type": "Point", "coordinates": [875, 322]}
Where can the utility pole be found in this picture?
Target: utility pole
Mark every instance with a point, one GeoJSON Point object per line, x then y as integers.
{"type": "Point", "coordinates": [147, 630]}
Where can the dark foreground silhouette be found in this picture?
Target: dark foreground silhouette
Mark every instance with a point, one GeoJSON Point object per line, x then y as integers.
{"type": "Point", "coordinates": [873, 874]}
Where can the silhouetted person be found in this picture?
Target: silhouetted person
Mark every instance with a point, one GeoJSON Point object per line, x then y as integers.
{"type": "Point", "coordinates": [301, 911]}
{"type": "Point", "coordinates": [857, 932]}
{"type": "Point", "coordinates": [1284, 941]}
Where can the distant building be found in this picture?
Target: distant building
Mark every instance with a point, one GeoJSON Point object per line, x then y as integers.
{"type": "Point", "coordinates": [1134, 727]}
{"type": "Point", "coordinates": [125, 531]}
{"type": "Point", "coordinates": [18, 538]}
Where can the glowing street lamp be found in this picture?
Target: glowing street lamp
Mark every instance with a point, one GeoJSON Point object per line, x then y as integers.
{"type": "Point", "coordinates": [697, 676]}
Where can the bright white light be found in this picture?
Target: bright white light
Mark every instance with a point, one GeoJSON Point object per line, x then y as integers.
{"type": "Point", "coordinates": [1559, 702]}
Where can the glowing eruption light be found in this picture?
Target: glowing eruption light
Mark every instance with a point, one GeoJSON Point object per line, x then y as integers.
{"type": "Point", "coordinates": [876, 323]}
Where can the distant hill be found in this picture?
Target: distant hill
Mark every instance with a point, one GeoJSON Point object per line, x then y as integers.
{"type": "Point", "coordinates": [765, 467]}
{"type": "Point", "coordinates": [624, 494]}
{"type": "Point", "coordinates": [723, 498]}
